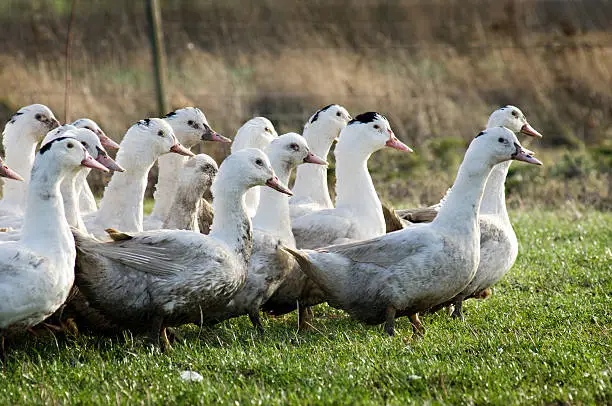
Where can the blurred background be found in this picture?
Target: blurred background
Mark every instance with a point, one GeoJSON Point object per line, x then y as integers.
{"type": "Point", "coordinates": [435, 68]}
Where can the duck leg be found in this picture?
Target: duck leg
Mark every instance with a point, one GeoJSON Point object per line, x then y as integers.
{"type": "Point", "coordinates": [164, 340]}
{"type": "Point", "coordinates": [457, 312]}
{"type": "Point", "coordinates": [417, 326]}
{"type": "Point", "coordinates": [390, 321]}
{"type": "Point", "coordinates": [256, 321]}
{"type": "Point", "coordinates": [305, 316]}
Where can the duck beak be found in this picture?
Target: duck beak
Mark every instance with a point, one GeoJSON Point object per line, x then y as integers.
{"type": "Point", "coordinates": [53, 123]}
{"type": "Point", "coordinates": [211, 135]}
{"type": "Point", "coordinates": [108, 162]}
{"type": "Point", "coordinates": [522, 155]}
{"type": "Point", "coordinates": [7, 172]}
{"type": "Point", "coordinates": [106, 141]}
{"type": "Point", "coordinates": [314, 159]}
{"type": "Point", "coordinates": [275, 184]}
{"type": "Point", "coordinates": [393, 142]}
{"type": "Point", "coordinates": [178, 148]}
{"type": "Point", "coordinates": [529, 130]}
{"type": "Point", "coordinates": [89, 162]}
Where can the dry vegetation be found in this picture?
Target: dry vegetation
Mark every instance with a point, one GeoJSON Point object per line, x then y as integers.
{"type": "Point", "coordinates": [435, 68]}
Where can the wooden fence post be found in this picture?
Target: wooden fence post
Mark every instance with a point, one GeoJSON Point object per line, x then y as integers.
{"type": "Point", "coordinates": [159, 55]}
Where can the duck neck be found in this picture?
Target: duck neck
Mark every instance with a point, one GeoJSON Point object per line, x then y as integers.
{"type": "Point", "coordinates": [273, 212]}
{"type": "Point", "coordinates": [70, 198]}
{"type": "Point", "coordinates": [45, 229]}
{"type": "Point", "coordinates": [231, 223]}
{"type": "Point", "coordinates": [462, 205]}
{"type": "Point", "coordinates": [170, 165]}
{"type": "Point", "coordinates": [494, 198]}
{"type": "Point", "coordinates": [311, 179]}
{"type": "Point", "coordinates": [20, 151]}
{"type": "Point", "coordinates": [185, 207]}
{"type": "Point", "coordinates": [122, 204]}
{"type": "Point", "coordinates": [355, 191]}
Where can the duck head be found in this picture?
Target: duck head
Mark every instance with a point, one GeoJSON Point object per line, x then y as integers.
{"type": "Point", "coordinates": [35, 121]}
{"type": "Point", "coordinates": [91, 125]}
{"type": "Point", "coordinates": [160, 136]}
{"type": "Point", "coordinates": [330, 120]}
{"type": "Point", "coordinates": [258, 132]}
{"type": "Point", "coordinates": [369, 132]}
{"type": "Point", "coordinates": [191, 126]}
{"type": "Point", "coordinates": [70, 153]}
{"type": "Point", "coordinates": [291, 150]}
{"type": "Point", "coordinates": [513, 119]}
{"type": "Point", "coordinates": [93, 145]}
{"type": "Point", "coordinates": [499, 144]}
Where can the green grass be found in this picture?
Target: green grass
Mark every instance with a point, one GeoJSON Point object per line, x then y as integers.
{"type": "Point", "coordinates": [542, 338]}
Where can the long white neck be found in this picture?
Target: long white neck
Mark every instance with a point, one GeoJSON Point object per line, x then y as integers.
{"type": "Point", "coordinates": [70, 198]}
{"type": "Point", "coordinates": [494, 197]}
{"type": "Point", "coordinates": [461, 208]}
{"type": "Point", "coordinates": [170, 166]}
{"type": "Point", "coordinates": [355, 191]}
{"type": "Point", "coordinates": [122, 204]}
{"type": "Point", "coordinates": [45, 229]}
{"type": "Point", "coordinates": [311, 179]}
{"type": "Point", "coordinates": [87, 201]}
{"type": "Point", "coordinates": [273, 212]}
{"type": "Point", "coordinates": [20, 150]}
{"type": "Point", "coordinates": [231, 223]}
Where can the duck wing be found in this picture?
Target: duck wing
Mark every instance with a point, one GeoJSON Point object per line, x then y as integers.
{"type": "Point", "coordinates": [321, 229]}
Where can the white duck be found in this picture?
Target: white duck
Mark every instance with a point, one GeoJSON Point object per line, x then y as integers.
{"type": "Point", "coordinates": [154, 279]}
{"type": "Point", "coordinates": [122, 204]}
{"type": "Point", "coordinates": [411, 270]}
{"type": "Point", "coordinates": [258, 132]}
{"type": "Point", "coordinates": [310, 192]}
{"type": "Point", "coordinates": [194, 180]}
{"type": "Point", "coordinates": [190, 127]}
{"type": "Point", "coordinates": [498, 243]}
{"type": "Point", "coordinates": [269, 264]}
{"type": "Point", "coordinates": [37, 271]}
{"type": "Point", "coordinates": [21, 135]}
{"type": "Point", "coordinates": [358, 212]}
{"type": "Point", "coordinates": [87, 201]}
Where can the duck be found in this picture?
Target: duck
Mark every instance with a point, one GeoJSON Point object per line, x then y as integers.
{"type": "Point", "coordinates": [498, 242]}
{"type": "Point", "coordinates": [151, 280]}
{"type": "Point", "coordinates": [414, 269]}
{"type": "Point", "coordinates": [87, 201]}
{"type": "Point", "coordinates": [38, 269]}
{"type": "Point", "coordinates": [194, 181]}
{"type": "Point", "coordinates": [357, 215]}
{"type": "Point", "coordinates": [269, 264]}
{"type": "Point", "coordinates": [257, 132]}
{"type": "Point", "coordinates": [122, 204]}
{"type": "Point", "coordinates": [21, 135]}
{"type": "Point", "coordinates": [310, 190]}
{"type": "Point", "coordinates": [358, 212]}
{"type": "Point", "coordinates": [190, 127]}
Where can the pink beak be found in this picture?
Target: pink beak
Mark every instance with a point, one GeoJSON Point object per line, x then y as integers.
{"type": "Point", "coordinates": [106, 141]}
{"type": "Point", "coordinates": [109, 162]}
{"type": "Point", "coordinates": [181, 150]}
{"type": "Point", "coordinates": [7, 172]}
{"type": "Point", "coordinates": [529, 130]}
{"type": "Point", "coordinates": [314, 159]}
{"type": "Point", "coordinates": [275, 184]}
{"type": "Point", "coordinates": [215, 136]}
{"type": "Point", "coordinates": [89, 162]}
{"type": "Point", "coordinates": [522, 155]}
{"type": "Point", "coordinates": [393, 142]}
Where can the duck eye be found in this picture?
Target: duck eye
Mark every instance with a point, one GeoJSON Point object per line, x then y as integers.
{"type": "Point", "coordinates": [190, 122]}
{"type": "Point", "coordinates": [70, 145]}
{"type": "Point", "coordinates": [38, 116]}
{"type": "Point", "coordinates": [514, 113]}
{"type": "Point", "coordinates": [160, 133]}
{"type": "Point", "coordinates": [338, 114]}
{"type": "Point", "coordinates": [500, 139]}
{"type": "Point", "coordinates": [259, 162]}
{"type": "Point", "coordinates": [267, 129]}
{"type": "Point", "coordinates": [295, 147]}
{"type": "Point", "coordinates": [376, 126]}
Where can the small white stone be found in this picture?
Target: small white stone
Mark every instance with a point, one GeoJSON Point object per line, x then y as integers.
{"type": "Point", "coordinates": [191, 376]}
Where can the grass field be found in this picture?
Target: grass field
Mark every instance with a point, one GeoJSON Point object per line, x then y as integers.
{"type": "Point", "coordinates": [542, 338]}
